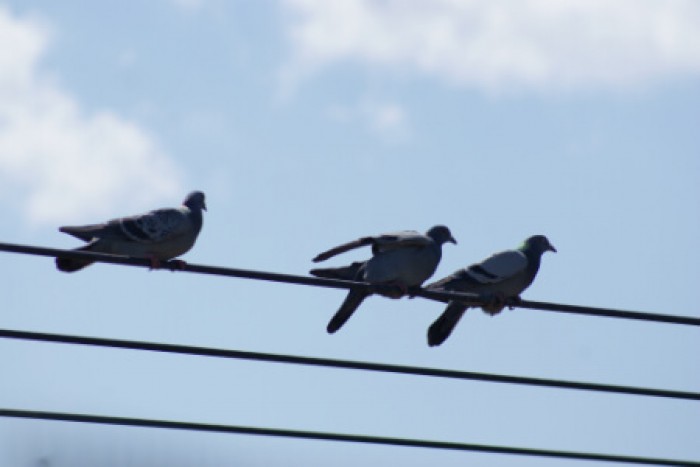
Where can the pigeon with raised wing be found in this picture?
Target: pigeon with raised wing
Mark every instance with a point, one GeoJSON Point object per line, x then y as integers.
{"type": "Point", "coordinates": [400, 261]}
{"type": "Point", "coordinates": [157, 235]}
{"type": "Point", "coordinates": [503, 276]}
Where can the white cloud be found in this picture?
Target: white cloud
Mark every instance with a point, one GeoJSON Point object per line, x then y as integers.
{"type": "Point", "coordinates": [500, 45]}
{"type": "Point", "coordinates": [58, 163]}
{"type": "Point", "coordinates": [387, 119]}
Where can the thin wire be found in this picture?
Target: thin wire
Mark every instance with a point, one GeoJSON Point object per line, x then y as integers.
{"type": "Point", "coordinates": [342, 437]}
{"type": "Point", "coordinates": [342, 284]}
{"type": "Point", "coordinates": [344, 364]}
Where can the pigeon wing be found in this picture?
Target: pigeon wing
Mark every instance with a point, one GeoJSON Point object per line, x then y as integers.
{"type": "Point", "coordinates": [499, 267]}
{"type": "Point", "coordinates": [155, 226]}
{"type": "Point", "coordinates": [380, 243]}
{"type": "Point", "coordinates": [396, 240]}
{"type": "Point", "coordinates": [343, 248]}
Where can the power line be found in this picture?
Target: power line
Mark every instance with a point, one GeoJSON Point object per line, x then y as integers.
{"type": "Point", "coordinates": [342, 437]}
{"type": "Point", "coordinates": [344, 364]}
{"type": "Point", "coordinates": [608, 312]}
{"type": "Point", "coordinates": [342, 284]}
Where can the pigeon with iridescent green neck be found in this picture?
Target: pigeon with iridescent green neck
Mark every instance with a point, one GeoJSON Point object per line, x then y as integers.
{"type": "Point", "coordinates": [503, 276]}
{"type": "Point", "coordinates": [400, 261]}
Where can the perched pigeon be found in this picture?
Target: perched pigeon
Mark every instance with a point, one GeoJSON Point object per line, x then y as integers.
{"type": "Point", "coordinates": [400, 261]}
{"type": "Point", "coordinates": [504, 276]}
{"type": "Point", "coordinates": [157, 235]}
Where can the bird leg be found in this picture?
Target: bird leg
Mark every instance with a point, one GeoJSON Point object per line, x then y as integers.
{"type": "Point", "coordinates": [155, 262]}
{"type": "Point", "coordinates": [494, 303]}
{"type": "Point", "coordinates": [177, 265]}
{"type": "Point", "coordinates": [413, 291]}
{"type": "Point", "coordinates": [514, 302]}
{"type": "Point", "coordinates": [391, 289]}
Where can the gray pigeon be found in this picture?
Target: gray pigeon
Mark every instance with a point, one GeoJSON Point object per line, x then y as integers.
{"type": "Point", "coordinates": [157, 235]}
{"type": "Point", "coordinates": [504, 276]}
{"type": "Point", "coordinates": [400, 261]}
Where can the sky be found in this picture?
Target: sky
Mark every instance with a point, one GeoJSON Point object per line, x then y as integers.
{"type": "Point", "coordinates": [309, 123]}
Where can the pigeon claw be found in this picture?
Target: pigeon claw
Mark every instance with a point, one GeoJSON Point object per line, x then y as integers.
{"type": "Point", "coordinates": [494, 303]}
{"type": "Point", "coordinates": [413, 291]}
{"type": "Point", "coordinates": [513, 302]}
{"type": "Point", "coordinates": [154, 262]}
{"type": "Point", "coordinates": [393, 289]}
{"type": "Point", "coordinates": [177, 265]}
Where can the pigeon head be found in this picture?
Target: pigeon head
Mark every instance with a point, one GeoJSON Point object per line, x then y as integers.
{"type": "Point", "coordinates": [441, 234]}
{"type": "Point", "coordinates": [195, 201]}
{"type": "Point", "coordinates": [540, 244]}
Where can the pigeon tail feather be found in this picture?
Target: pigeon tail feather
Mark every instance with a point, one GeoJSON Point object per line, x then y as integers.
{"type": "Point", "coordinates": [72, 264]}
{"type": "Point", "coordinates": [441, 329]}
{"type": "Point", "coordinates": [349, 273]}
{"type": "Point", "coordinates": [351, 303]}
{"type": "Point", "coordinates": [83, 232]}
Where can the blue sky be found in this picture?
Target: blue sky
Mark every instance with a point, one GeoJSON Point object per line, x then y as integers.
{"type": "Point", "coordinates": [310, 123]}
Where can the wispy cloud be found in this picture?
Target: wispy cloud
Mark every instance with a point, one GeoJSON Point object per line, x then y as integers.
{"type": "Point", "coordinates": [386, 117]}
{"type": "Point", "coordinates": [502, 45]}
{"type": "Point", "coordinates": [58, 163]}
{"type": "Point", "coordinates": [389, 120]}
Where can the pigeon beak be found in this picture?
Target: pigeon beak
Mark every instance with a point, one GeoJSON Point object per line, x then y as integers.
{"type": "Point", "coordinates": [452, 239]}
{"type": "Point", "coordinates": [551, 248]}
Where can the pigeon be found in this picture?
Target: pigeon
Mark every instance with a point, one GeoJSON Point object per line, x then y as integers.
{"type": "Point", "coordinates": [156, 235]}
{"type": "Point", "coordinates": [400, 261]}
{"type": "Point", "coordinates": [503, 276]}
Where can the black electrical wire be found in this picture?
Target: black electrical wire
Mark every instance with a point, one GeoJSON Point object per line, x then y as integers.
{"type": "Point", "coordinates": [344, 364]}
{"type": "Point", "coordinates": [278, 358]}
{"type": "Point", "coordinates": [342, 437]}
{"type": "Point", "coordinates": [341, 284]}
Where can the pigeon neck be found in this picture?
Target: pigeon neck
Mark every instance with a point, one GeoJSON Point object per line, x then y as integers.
{"type": "Point", "coordinates": [533, 258]}
{"type": "Point", "coordinates": [197, 218]}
